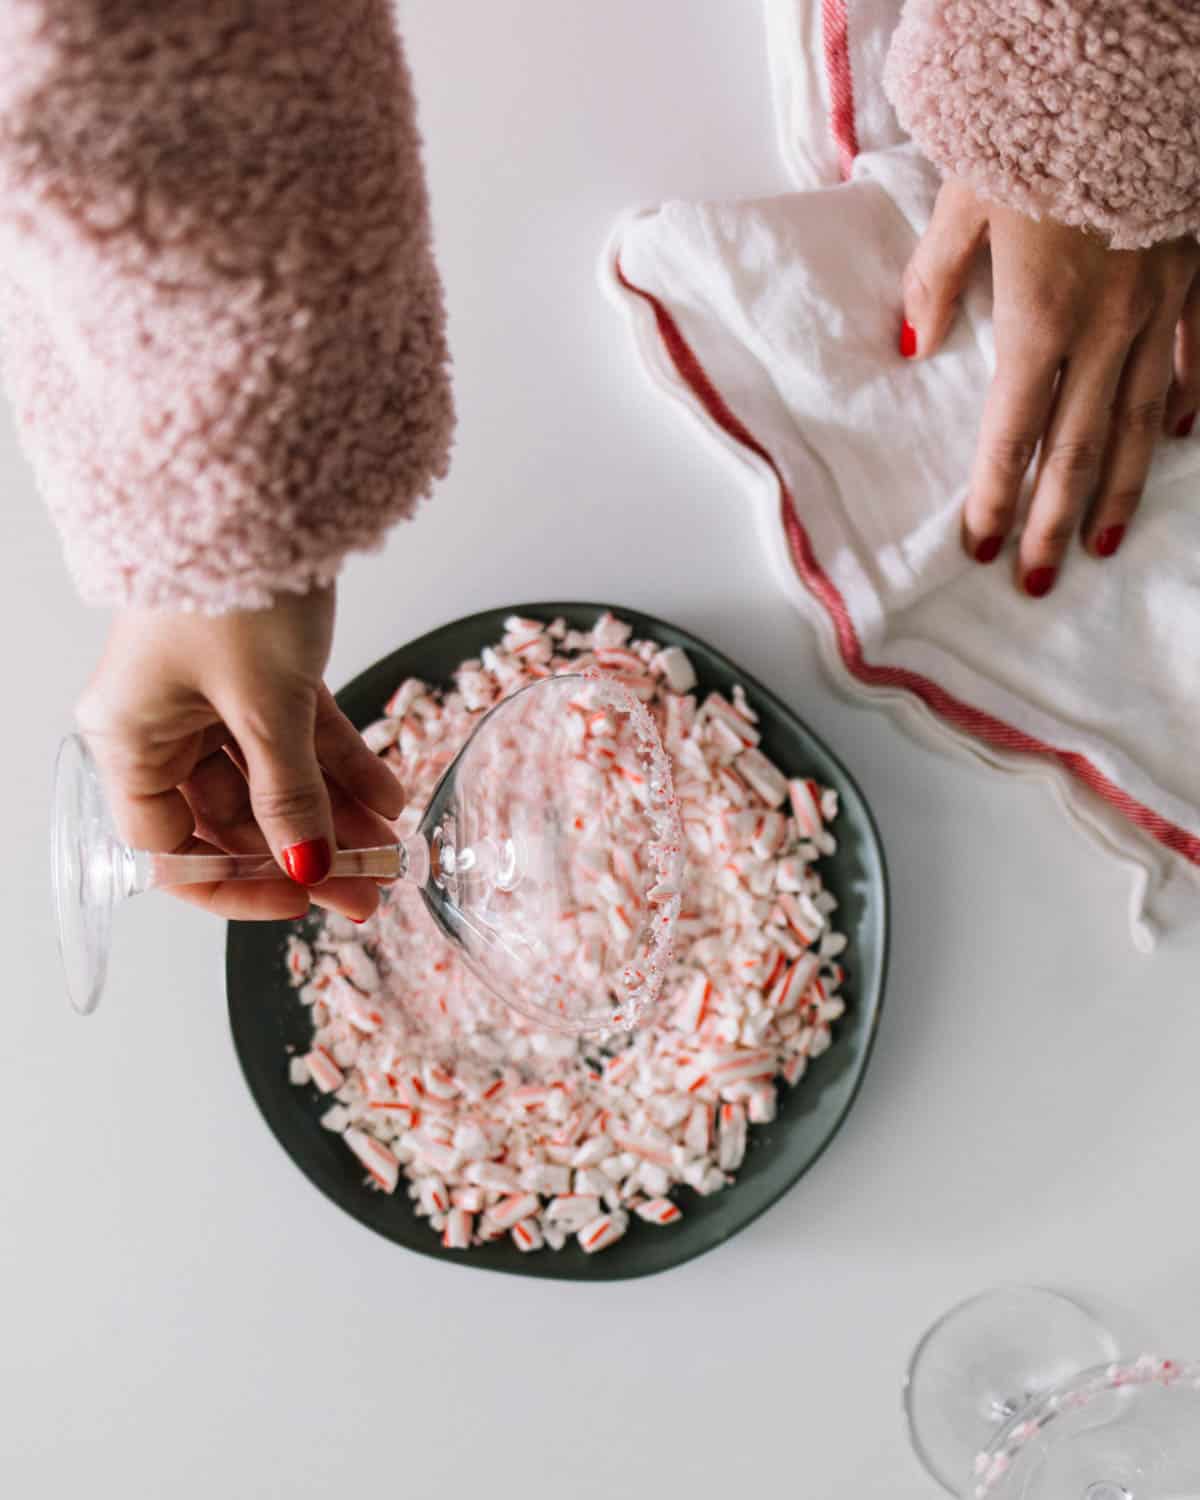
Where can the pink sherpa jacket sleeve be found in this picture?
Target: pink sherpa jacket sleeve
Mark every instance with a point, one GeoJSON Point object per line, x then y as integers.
{"type": "Point", "coordinates": [1084, 111]}
{"type": "Point", "coordinates": [223, 329]}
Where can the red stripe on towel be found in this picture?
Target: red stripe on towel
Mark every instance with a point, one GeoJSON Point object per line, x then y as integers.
{"type": "Point", "coordinates": [836, 35]}
{"type": "Point", "coordinates": [982, 726]}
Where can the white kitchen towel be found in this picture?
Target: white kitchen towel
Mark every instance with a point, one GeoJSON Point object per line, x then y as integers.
{"type": "Point", "coordinates": [775, 321]}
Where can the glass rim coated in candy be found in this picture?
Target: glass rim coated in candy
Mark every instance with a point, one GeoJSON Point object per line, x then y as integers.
{"type": "Point", "coordinates": [529, 756]}
{"type": "Point", "coordinates": [1005, 1462]}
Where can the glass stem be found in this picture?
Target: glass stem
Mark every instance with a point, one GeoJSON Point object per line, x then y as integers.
{"type": "Point", "coordinates": [144, 871]}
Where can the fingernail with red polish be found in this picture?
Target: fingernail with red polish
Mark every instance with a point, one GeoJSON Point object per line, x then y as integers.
{"type": "Point", "coordinates": [358, 921]}
{"type": "Point", "coordinates": [908, 339]}
{"type": "Point", "coordinates": [1109, 540]}
{"type": "Point", "coordinates": [989, 549]}
{"type": "Point", "coordinates": [1040, 581]}
{"type": "Point", "coordinates": [308, 863]}
{"type": "Point", "coordinates": [1185, 427]}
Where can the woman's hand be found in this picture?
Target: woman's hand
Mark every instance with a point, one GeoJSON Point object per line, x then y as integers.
{"type": "Point", "coordinates": [217, 732]}
{"type": "Point", "coordinates": [1097, 353]}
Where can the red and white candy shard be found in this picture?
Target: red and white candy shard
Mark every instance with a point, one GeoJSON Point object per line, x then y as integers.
{"type": "Point", "coordinates": [602, 1232]}
{"type": "Point", "coordinates": [658, 1211]}
{"type": "Point", "coordinates": [502, 1130]}
{"type": "Point", "coordinates": [457, 1233]}
{"type": "Point", "coordinates": [381, 1164]}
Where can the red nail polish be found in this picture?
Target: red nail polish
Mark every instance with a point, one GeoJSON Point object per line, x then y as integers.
{"type": "Point", "coordinates": [1185, 427]}
{"type": "Point", "coordinates": [989, 549]}
{"type": "Point", "coordinates": [358, 921]}
{"type": "Point", "coordinates": [908, 339]}
{"type": "Point", "coordinates": [1109, 540]}
{"type": "Point", "coordinates": [308, 863]}
{"type": "Point", "coordinates": [1039, 583]}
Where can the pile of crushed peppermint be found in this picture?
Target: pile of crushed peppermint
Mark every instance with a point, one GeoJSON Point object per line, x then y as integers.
{"type": "Point", "coordinates": [501, 1129]}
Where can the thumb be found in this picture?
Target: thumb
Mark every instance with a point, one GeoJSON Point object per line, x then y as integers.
{"type": "Point", "coordinates": [936, 275]}
{"type": "Point", "coordinates": [288, 795]}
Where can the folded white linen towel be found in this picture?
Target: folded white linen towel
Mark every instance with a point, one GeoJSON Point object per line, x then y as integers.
{"type": "Point", "coordinates": [775, 320]}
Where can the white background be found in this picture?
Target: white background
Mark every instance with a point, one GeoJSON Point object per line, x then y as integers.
{"type": "Point", "coordinates": [182, 1315]}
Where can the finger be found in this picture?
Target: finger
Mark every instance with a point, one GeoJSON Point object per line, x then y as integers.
{"type": "Point", "coordinates": [245, 900]}
{"type": "Point", "coordinates": [1136, 425]}
{"type": "Point", "coordinates": [141, 775]}
{"type": "Point", "coordinates": [274, 729]}
{"type": "Point", "coordinates": [1015, 415]}
{"type": "Point", "coordinates": [356, 826]}
{"type": "Point", "coordinates": [279, 900]}
{"type": "Point", "coordinates": [220, 799]}
{"type": "Point", "coordinates": [212, 739]}
{"type": "Point", "coordinates": [140, 784]}
{"type": "Point", "coordinates": [342, 752]}
{"type": "Point", "coordinates": [158, 821]}
{"type": "Point", "coordinates": [1184, 399]}
{"type": "Point", "coordinates": [1072, 453]}
{"type": "Point", "coordinates": [356, 898]}
{"type": "Point", "coordinates": [936, 275]}
{"type": "Point", "coordinates": [219, 796]}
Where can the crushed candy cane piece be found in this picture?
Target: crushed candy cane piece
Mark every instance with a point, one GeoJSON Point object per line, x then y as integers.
{"type": "Point", "coordinates": [457, 1233]}
{"type": "Point", "coordinates": [674, 665]}
{"type": "Point", "coordinates": [572, 1210]}
{"type": "Point", "coordinates": [324, 1072]}
{"type": "Point", "coordinates": [602, 1232]}
{"type": "Point", "coordinates": [527, 1236]}
{"type": "Point", "coordinates": [761, 776]}
{"type": "Point", "coordinates": [732, 1147]}
{"type": "Point", "coordinates": [659, 1211]}
{"type": "Point", "coordinates": [380, 1163]}
{"type": "Point", "coordinates": [512, 1210]}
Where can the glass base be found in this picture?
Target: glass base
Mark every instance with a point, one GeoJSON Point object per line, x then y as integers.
{"type": "Point", "coordinates": [87, 863]}
{"type": "Point", "coordinates": [984, 1361]}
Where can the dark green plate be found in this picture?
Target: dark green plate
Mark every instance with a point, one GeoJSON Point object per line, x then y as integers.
{"type": "Point", "coordinates": [267, 1017]}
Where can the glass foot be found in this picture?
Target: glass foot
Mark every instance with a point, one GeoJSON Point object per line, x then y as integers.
{"type": "Point", "coordinates": [86, 861]}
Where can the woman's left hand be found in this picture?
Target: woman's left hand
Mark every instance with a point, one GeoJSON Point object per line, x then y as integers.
{"type": "Point", "coordinates": [1097, 355]}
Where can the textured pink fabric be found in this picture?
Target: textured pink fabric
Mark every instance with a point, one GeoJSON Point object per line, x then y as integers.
{"type": "Point", "coordinates": [223, 327]}
{"type": "Point", "coordinates": [1086, 111]}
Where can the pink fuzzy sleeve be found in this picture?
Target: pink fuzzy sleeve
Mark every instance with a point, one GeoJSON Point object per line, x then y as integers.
{"type": "Point", "coordinates": [223, 329]}
{"type": "Point", "coordinates": [1086, 111]}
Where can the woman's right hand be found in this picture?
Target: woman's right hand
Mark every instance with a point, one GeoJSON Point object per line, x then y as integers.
{"type": "Point", "coordinates": [1097, 356]}
{"type": "Point", "coordinates": [217, 733]}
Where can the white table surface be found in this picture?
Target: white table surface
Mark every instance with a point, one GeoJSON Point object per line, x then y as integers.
{"type": "Point", "coordinates": [182, 1315]}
